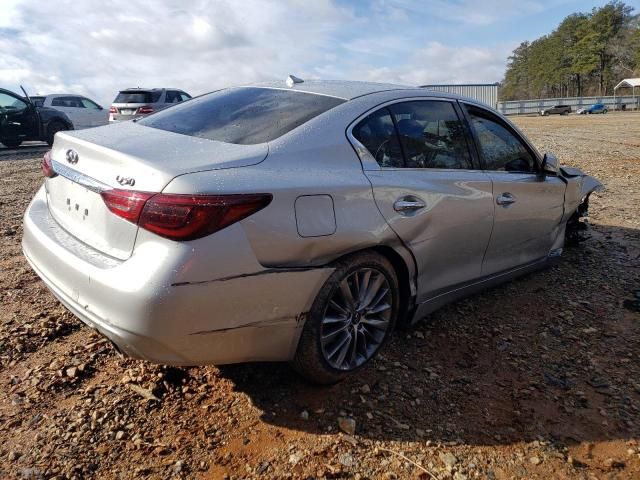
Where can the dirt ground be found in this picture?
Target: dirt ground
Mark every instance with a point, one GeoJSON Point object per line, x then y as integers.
{"type": "Point", "coordinates": [538, 378]}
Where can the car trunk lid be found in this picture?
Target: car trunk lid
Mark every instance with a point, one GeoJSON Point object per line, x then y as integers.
{"type": "Point", "coordinates": [131, 157]}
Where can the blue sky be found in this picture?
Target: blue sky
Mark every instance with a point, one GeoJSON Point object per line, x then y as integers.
{"type": "Point", "coordinates": [95, 47]}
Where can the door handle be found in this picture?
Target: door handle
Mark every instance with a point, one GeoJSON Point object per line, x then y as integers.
{"type": "Point", "coordinates": [408, 205]}
{"type": "Point", "coordinates": [505, 199]}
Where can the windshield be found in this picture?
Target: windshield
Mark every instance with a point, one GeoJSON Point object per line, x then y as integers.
{"type": "Point", "coordinates": [137, 97]}
{"type": "Point", "coordinates": [242, 115]}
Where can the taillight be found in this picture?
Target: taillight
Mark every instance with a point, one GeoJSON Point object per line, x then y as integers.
{"type": "Point", "coordinates": [47, 165]}
{"type": "Point", "coordinates": [183, 217]}
{"type": "Point", "coordinates": [113, 110]}
{"type": "Point", "coordinates": [126, 203]}
{"type": "Point", "coordinates": [145, 110]}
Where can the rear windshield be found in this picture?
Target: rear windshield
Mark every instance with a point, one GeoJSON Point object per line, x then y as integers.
{"type": "Point", "coordinates": [137, 97]}
{"type": "Point", "coordinates": [38, 101]}
{"type": "Point", "coordinates": [242, 115]}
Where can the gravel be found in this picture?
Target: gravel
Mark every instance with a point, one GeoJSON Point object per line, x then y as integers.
{"type": "Point", "coordinates": [538, 378]}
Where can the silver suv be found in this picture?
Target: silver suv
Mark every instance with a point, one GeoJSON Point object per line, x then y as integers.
{"type": "Point", "coordinates": [138, 102]}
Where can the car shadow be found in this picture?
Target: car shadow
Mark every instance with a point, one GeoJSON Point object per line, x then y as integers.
{"type": "Point", "coordinates": [550, 356]}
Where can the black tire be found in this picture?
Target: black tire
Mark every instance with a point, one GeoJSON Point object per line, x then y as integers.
{"type": "Point", "coordinates": [54, 127]}
{"type": "Point", "coordinates": [309, 359]}
{"type": "Point", "coordinates": [11, 143]}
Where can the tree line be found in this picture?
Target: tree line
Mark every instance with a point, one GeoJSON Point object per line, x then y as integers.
{"type": "Point", "coordinates": [587, 54]}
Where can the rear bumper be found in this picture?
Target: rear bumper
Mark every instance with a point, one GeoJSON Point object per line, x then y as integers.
{"type": "Point", "coordinates": [164, 305]}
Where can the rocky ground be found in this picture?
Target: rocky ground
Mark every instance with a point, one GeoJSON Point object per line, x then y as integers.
{"type": "Point", "coordinates": [538, 378]}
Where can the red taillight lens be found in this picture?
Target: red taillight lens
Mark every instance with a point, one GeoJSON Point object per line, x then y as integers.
{"type": "Point", "coordinates": [113, 110]}
{"type": "Point", "coordinates": [183, 217]}
{"type": "Point", "coordinates": [125, 203]}
{"type": "Point", "coordinates": [47, 165]}
{"type": "Point", "coordinates": [145, 110]}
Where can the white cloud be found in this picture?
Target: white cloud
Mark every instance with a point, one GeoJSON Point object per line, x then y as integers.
{"type": "Point", "coordinates": [95, 47]}
{"type": "Point", "coordinates": [471, 12]}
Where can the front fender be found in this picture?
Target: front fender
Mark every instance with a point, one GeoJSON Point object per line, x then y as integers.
{"type": "Point", "coordinates": [576, 202]}
{"type": "Point", "coordinates": [579, 187]}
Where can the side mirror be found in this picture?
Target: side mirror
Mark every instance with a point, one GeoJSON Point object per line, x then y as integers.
{"type": "Point", "coordinates": [550, 164]}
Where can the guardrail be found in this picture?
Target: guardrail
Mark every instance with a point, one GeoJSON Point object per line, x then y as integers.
{"type": "Point", "coordinates": [522, 107]}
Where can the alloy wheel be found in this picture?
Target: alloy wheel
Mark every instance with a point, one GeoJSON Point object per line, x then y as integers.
{"type": "Point", "coordinates": [356, 319]}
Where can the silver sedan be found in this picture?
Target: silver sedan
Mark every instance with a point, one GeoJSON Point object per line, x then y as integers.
{"type": "Point", "coordinates": [295, 222]}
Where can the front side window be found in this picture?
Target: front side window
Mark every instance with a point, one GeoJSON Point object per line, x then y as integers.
{"type": "Point", "coordinates": [172, 97]}
{"type": "Point", "coordinates": [244, 115]}
{"type": "Point", "coordinates": [501, 150]}
{"type": "Point", "coordinates": [86, 103]}
{"type": "Point", "coordinates": [432, 135]}
{"type": "Point", "coordinates": [9, 103]}
{"type": "Point", "coordinates": [377, 133]}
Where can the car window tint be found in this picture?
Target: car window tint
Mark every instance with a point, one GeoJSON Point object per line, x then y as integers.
{"type": "Point", "coordinates": [184, 96]}
{"type": "Point", "coordinates": [9, 103]}
{"type": "Point", "coordinates": [432, 135]}
{"type": "Point", "coordinates": [38, 101]}
{"type": "Point", "coordinates": [89, 104]}
{"type": "Point", "coordinates": [172, 97]}
{"type": "Point", "coordinates": [245, 115]}
{"type": "Point", "coordinates": [377, 133]}
{"type": "Point", "coordinates": [68, 102]}
{"type": "Point", "coordinates": [501, 150]}
{"type": "Point", "coordinates": [77, 102]}
{"type": "Point", "coordinates": [138, 97]}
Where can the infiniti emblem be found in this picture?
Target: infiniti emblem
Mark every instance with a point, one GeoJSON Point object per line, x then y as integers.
{"type": "Point", "coordinates": [72, 156]}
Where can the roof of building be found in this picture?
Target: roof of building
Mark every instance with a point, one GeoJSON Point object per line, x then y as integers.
{"type": "Point", "coordinates": [628, 82]}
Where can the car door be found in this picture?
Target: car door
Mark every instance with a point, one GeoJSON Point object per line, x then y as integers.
{"type": "Point", "coordinates": [72, 108]}
{"type": "Point", "coordinates": [18, 119]}
{"type": "Point", "coordinates": [428, 187]}
{"type": "Point", "coordinates": [95, 114]}
{"type": "Point", "coordinates": [528, 204]}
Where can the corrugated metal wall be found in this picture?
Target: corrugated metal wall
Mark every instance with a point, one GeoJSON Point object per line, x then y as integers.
{"type": "Point", "coordinates": [520, 107]}
{"type": "Point", "coordinates": [483, 92]}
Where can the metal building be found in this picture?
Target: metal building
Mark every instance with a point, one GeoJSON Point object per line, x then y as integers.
{"type": "Point", "coordinates": [483, 92]}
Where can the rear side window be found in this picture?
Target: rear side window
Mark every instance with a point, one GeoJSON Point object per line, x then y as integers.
{"type": "Point", "coordinates": [242, 115]}
{"type": "Point", "coordinates": [432, 135]}
{"type": "Point", "coordinates": [418, 134]}
{"type": "Point", "coordinates": [70, 102]}
{"type": "Point", "coordinates": [377, 133]}
{"type": "Point", "coordinates": [138, 96]}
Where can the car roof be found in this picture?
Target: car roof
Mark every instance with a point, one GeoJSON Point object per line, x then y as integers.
{"type": "Point", "coordinates": [344, 89]}
{"type": "Point", "coordinates": [53, 95]}
{"type": "Point", "coordinates": [140, 89]}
